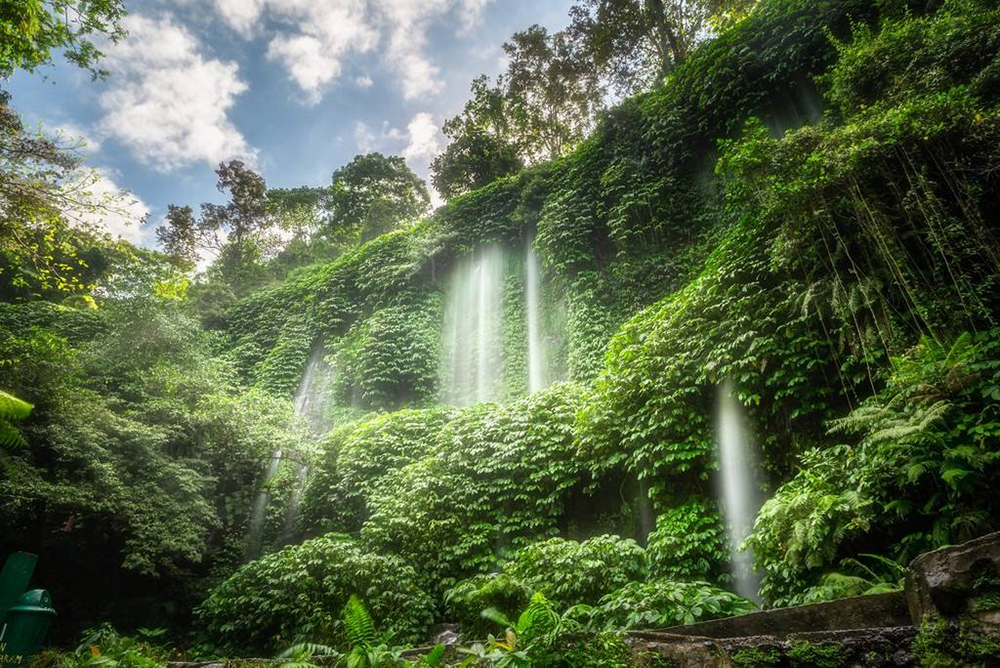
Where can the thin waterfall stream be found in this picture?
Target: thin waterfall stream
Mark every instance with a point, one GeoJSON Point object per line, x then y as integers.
{"type": "Point", "coordinates": [740, 493]}
{"type": "Point", "coordinates": [537, 354]}
{"type": "Point", "coordinates": [309, 404]}
{"type": "Point", "coordinates": [473, 330]}
{"type": "Point", "coordinates": [474, 334]}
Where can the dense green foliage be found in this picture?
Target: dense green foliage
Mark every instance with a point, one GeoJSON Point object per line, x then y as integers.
{"type": "Point", "coordinates": [805, 209]}
{"type": "Point", "coordinates": [30, 30]}
{"type": "Point", "coordinates": [662, 603]}
{"type": "Point", "coordinates": [571, 573]}
{"type": "Point", "coordinates": [299, 593]}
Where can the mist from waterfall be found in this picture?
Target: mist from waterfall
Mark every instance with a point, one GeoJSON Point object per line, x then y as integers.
{"type": "Point", "coordinates": [309, 403]}
{"type": "Point", "coordinates": [473, 341]}
{"type": "Point", "coordinates": [738, 481]}
{"type": "Point", "coordinates": [537, 354]}
{"type": "Point", "coordinates": [255, 532]}
{"type": "Point", "coordinates": [310, 400]}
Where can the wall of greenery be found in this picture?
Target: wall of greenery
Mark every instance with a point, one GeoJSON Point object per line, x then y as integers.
{"type": "Point", "coordinates": [806, 208]}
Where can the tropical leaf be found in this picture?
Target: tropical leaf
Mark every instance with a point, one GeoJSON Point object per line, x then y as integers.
{"type": "Point", "coordinates": [359, 625]}
{"type": "Point", "coordinates": [12, 409]}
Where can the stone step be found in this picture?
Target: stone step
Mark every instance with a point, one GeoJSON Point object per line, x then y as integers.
{"type": "Point", "coordinates": [879, 646]}
{"type": "Point", "coordinates": [859, 612]}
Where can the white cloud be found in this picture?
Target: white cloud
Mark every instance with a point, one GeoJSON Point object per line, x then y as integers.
{"type": "Point", "coordinates": [320, 35]}
{"type": "Point", "coordinates": [241, 14]}
{"type": "Point", "coordinates": [425, 139]}
{"type": "Point", "coordinates": [167, 102]}
{"type": "Point", "coordinates": [418, 144]}
{"type": "Point", "coordinates": [363, 81]}
{"type": "Point", "coordinates": [102, 203]}
{"type": "Point", "coordinates": [307, 61]}
{"type": "Point", "coordinates": [364, 137]}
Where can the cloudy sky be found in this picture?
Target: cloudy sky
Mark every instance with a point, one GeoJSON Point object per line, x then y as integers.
{"type": "Point", "coordinates": [295, 87]}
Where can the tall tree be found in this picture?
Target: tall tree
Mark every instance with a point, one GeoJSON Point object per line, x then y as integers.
{"type": "Point", "coordinates": [483, 144]}
{"type": "Point", "coordinates": [236, 229]}
{"type": "Point", "coordinates": [371, 195]}
{"type": "Point", "coordinates": [546, 101]}
{"type": "Point", "coordinates": [634, 44]}
{"type": "Point", "coordinates": [179, 235]}
{"type": "Point", "coordinates": [237, 232]}
{"type": "Point", "coordinates": [556, 94]}
{"type": "Point", "coordinates": [30, 30]}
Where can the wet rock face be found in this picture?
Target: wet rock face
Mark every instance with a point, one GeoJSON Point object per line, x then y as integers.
{"type": "Point", "coordinates": [955, 581]}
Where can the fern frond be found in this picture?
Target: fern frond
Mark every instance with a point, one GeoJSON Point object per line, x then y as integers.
{"type": "Point", "coordinates": [496, 617]}
{"type": "Point", "coordinates": [537, 619]}
{"type": "Point", "coordinates": [435, 657]}
{"type": "Point", "coordinates": [358, 623]}
{"type": "Point", "coordinates": [307, 649]}
{"type": "Point", "coordinates": [12, 409]}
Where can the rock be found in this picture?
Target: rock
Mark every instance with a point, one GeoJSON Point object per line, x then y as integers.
{"type": "Point", "coordinates": [445, 634]}
{"type": "Point", "coordinates": [947, 582]}
{"type": "Point", "coordinates": [679, 651]}
{"type": "Point", "coordinates": [873, 611]}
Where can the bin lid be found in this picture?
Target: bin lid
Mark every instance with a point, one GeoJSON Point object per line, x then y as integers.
{"type": "Point", "coordinates": [38, 601]}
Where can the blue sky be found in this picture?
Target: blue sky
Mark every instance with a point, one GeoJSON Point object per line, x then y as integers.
{"type": "Point", "coordinates": [295, 87]}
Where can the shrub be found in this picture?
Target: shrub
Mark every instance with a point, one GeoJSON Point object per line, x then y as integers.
{"type": "Point", "coordinates": [661, 603]}
{"type": "Point", "coordinates": [298, 594]}
{"type": "Point", "coordinates": [498, 476]}
{"type": "Point", "coordinates": [689, 542]}
{"type": "Point", "coordinates": [570, 573]}
{"type": "Point", "coordinates": [467, 600]}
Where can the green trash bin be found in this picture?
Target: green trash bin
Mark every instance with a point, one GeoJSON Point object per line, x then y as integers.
{"type": "Point", "coordinates": [27, 623]}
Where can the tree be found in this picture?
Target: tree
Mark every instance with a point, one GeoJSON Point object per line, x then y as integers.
{"type": "Point", "coordinates": [42, 186]}
{"type": "Point", "coordinates": [179, 236]}
{"type": "Point", "coordinates": [546, 101]}
{"type": "Point", "coordinates": [236, 224]}
{"type": "Point", "coordinates": [634, 44]}
{"type": "Point", "coordinates": [31, 29]}
{"type": "Point", "coordinates": [236, 231]}
{"type": "Point", "coordinates": [556, 94]}
{"type": "Point", "coordinates": [482, 147]}
{"type": "Point", "coordinates": [372, 195]}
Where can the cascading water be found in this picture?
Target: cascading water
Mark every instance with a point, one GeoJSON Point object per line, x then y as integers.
{"type": "Point", "coordinates": [739, 491]}
{"type": "Point", "coordinates": [308, 403]}
{"type": "Point", "coordinates": [255, 534]}
{"type": "Point", "coordinates": [472, 331]}
{"type": "Point", "coordinates": [537, 355]}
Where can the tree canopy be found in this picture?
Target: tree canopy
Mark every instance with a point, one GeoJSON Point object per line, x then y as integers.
{"type": "Point", "coordinates": [371, 195]}
{"type": "Point", "coordinates": [31, 30]}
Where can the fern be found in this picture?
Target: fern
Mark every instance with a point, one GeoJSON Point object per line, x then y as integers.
{"type": "Point", "coordinates": [358, 623]}
{"type": "Point", "coordinates": [12, 410]}
{"type": "Point", "coordinates": [537, 620]}
{"type": "Point", "coordinates": [300, 655]}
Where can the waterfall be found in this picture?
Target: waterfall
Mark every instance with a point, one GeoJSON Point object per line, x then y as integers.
{"type": "Point", "coordinates": [309, 404]}
{"type": "Point", "coordinates": [738, 478]}
{"type": "Point", "coordinates": [537, 358]}
{"type": "Point", "coordinates": [310, 395]}
{"type": "Point", "coordinates": [472, 331]}
{"type": "Point", "coordinates": [255, 534]}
